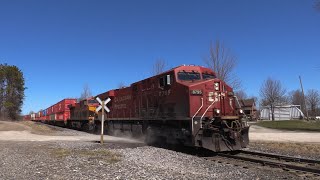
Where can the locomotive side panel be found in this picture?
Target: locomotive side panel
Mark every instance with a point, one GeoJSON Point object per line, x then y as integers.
{"type": "Point", "coordinates": [121, 104]}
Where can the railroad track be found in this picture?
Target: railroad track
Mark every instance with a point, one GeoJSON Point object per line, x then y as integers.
{"type": "Point", "coordinates": [300, 165]}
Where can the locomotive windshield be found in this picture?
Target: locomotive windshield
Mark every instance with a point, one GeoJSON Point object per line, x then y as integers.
{"type": "Point", "coordinates": [188, 76]}
{"type": "Point", "coordinates": [208, 76]}
{"type": "Point", "coordinates": [93, 101]}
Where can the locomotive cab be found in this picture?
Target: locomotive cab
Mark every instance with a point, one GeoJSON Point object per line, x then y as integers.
{"type": "Point", "coordinates": [83, 114]}
{"type": "Point", "coordinates": [216, 122]}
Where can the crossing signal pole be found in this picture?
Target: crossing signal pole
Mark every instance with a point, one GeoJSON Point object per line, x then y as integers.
{"type": "Point", "coordinates": [103, 107]}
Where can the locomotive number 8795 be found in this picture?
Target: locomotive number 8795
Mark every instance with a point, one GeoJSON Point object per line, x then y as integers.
{"type": "Point", "coordinates": [187, 105]}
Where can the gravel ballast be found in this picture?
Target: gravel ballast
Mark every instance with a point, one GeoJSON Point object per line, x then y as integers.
{"type": "Point", "coordinates": [89, 160]}
{"type": "Point", "coordinates": [37, 155]}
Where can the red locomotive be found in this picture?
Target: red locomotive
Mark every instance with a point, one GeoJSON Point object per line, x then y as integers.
{"type": "Point", "coordinates": [186, 105]}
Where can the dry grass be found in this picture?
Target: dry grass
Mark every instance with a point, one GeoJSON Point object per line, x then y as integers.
{"type": "Point", "coordinates": [103, 154]}
{"type": "Point", "coordinates": [11, 126]}
{"type": "Point", "coordinates": [302, 149]}
{"type": "Point", "coordinates": [39, 128]}
{"type": "Point", "coordinates": [92, 155]}
{"type": "Point", "coordinates": [61, 153]}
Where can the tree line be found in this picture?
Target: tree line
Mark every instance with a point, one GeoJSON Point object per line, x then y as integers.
{"type": "Point", "coordinates": [273, 93]}
{"type": "Point", "coordinates": [12, 88]}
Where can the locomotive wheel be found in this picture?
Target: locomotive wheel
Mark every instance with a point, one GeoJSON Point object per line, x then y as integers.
{"type": "Point", "coordinates": [69, 125]}
{"type": "Point", "coordinates": [91, 128]}
{"type": "Point", "coordinates": [110, 129]}
{"type": "Point", "coordinates": [98, 129]}
{"type": "Point", "coordinates": [88, 127]}
{"type": "Point", "coordinates": [150, 138]}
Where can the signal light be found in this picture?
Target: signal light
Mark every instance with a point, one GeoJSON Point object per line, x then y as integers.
{"type": "Point", "coordinates": [216, 86]}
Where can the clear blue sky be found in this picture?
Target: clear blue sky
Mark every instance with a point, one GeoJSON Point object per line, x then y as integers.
{"type": "Point", "coordinates": [60, 45]}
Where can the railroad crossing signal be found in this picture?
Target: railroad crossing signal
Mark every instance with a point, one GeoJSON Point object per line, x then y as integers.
{"type": "Point", "coordinates": [104, 104]}
{"type": "Point", "coordinates": [103, 107]}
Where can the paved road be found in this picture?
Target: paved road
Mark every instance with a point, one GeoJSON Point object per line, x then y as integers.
{"type": "Point", "coordinates": [258, 133]}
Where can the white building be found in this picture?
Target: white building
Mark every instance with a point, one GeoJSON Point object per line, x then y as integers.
{"type": "Point", "coordinates": [287, 112]}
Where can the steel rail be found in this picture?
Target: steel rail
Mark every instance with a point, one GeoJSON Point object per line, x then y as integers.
{"type": "Point", "coordinates": [281, 157]}
{"type": "Point", "coordinates": [276, 162]}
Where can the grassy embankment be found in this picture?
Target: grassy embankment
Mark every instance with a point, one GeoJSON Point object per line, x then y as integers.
{"type": "Point", "coordinates": [294, 125]}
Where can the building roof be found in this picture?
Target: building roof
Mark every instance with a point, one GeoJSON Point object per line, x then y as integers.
{"type": "Point", "coordinates": [247, 102]}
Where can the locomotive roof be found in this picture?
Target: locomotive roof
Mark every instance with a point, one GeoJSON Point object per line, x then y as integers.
{"type": "Point", "coordinates": [186, 67]}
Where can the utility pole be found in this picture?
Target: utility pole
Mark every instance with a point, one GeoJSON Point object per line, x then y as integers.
{"type": "Point", "coordinates": [304, 98]}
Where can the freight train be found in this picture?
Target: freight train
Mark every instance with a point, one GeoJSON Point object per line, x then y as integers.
{"type": "Point", "coordinates": [186, 105]}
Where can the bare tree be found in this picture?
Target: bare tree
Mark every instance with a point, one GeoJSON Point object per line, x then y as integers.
{"type": "Point", "coordinates": [241, 94]}
{"type": "Point", "coordinates": [313, 101]}
{"type": "Point", "coordinates": [121, 85]}
{"type": "Point", "coordinates": [159, 66]}
{"type": "Point", "coordinates": [317, 5]}
{"type": "Point", "coordinates": [272, 93]}
{"type": "Point", "coordinates": [86, 92]}
{"type": "Point", "coordinates": [223, 63]}
{"type": "Point", "coordinates": [296, 97]}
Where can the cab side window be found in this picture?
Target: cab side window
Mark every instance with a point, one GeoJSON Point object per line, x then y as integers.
{"type": "Point", "coordinates": [161, 82]}
{"type": "Point", "coordinates": [165, 80]}
{"type": "Point", "coordinates": [135, 88]}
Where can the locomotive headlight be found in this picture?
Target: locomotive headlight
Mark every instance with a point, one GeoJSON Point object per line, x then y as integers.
{"type": "Point", "coordinates": [216, 86]}
{"type": "Point", "coordinates": [217, 111]}
{"type": "Point", "coordinates": [241, 111]}
{"type": "Point", "coordinates": [196, 92]}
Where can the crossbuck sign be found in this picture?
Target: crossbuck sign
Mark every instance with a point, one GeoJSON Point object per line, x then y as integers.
{"type": "Point", "coordinates": [103, 106]}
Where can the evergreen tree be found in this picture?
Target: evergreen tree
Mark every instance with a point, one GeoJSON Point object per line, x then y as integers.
{"type": "Point", "coordinates": [11, 91]}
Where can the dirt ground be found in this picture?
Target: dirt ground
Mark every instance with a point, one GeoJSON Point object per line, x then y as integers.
{"type": "Point", "coordinates": [31, 131]}
{"type": "Point", "coordinates": [31, 150]}
{"type": "Point", "coordinates": [12, 126]}
{"type": "Point", "coordinates": [258, 133]}
{"type": "Point", "coordinates": [292, 143]}
{"type": "Point", "coordinates": [262, 139]}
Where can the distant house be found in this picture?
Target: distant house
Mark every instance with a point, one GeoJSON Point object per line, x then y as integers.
{"type": "Point", "coordinates": [285, 112]}
{"type": "Point", "coordinates": [249, 108]}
